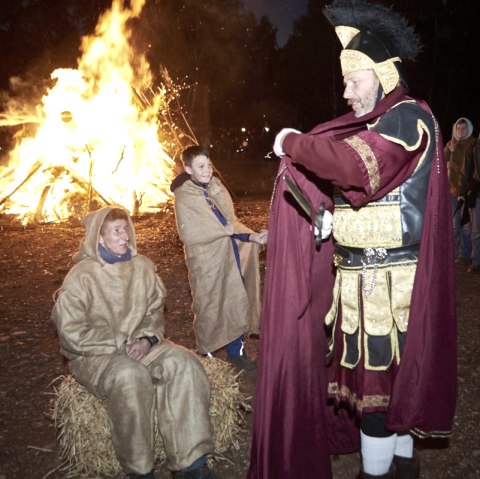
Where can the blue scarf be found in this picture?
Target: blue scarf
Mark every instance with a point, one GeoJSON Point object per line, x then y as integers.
{"type": "Point", "coordinates": [112, 258]}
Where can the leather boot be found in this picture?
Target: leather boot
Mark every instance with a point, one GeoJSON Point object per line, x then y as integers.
{"type": "Point", "coordinates": [407, 467]}
{"type": "Point", "coordinates": [389, 475]}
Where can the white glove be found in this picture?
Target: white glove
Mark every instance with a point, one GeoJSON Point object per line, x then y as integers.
{"type": "Point", "coordinates": [326, 225]}
{"type": "Point", "coordinates": [277, 144]}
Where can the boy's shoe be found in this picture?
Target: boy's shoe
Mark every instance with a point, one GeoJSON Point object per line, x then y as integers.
{"type": "Point", "coordinates": [242, 362]}
{"type": "Point", "coordinates": [199, 473]}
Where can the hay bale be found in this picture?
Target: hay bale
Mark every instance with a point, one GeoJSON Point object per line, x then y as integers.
{"type": "Point", "coordinates": [83, 427]}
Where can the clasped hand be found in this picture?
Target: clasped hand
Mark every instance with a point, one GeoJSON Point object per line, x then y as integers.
{"type": "Point", "coordinates": [138, 350]}
{"type": "Point", "coordinates": [260, 237]}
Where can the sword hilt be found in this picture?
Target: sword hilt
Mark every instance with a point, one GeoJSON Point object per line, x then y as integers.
{"type": "Point", "coordinates": [317, 221]}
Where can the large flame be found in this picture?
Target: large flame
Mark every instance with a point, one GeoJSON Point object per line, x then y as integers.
{"type": "Point", "coordinates": [95, 141]}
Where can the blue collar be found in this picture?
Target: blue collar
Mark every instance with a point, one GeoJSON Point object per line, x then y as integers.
{"type": "Point", "coordinates": [203, 185]}
{"type": "Point", "coordinates": [112, 258]}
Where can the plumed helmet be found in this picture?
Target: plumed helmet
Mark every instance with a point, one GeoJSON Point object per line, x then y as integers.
{"type": "Point", "coordinates": [373, 36]}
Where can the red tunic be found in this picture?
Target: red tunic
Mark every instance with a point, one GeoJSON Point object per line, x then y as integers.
{"type": "Point", "coordinates": [424, 387]}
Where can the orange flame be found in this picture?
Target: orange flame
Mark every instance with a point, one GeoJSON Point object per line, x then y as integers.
{"type": "Point", "coordinates": [95, 142]}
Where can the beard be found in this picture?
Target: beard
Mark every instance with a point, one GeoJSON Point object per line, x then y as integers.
{"type": "Point", "coordinates": [368, 102]}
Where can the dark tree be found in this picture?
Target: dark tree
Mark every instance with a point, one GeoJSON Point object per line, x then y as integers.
{"type": "Point", "coordinates": [37, 36]}
{"type": "Point", "coordinates": [443, 74]}
{"type": "Point", "coordinates": [217, 45]}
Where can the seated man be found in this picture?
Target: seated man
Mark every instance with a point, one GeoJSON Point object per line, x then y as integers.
{"type": "Point", "coordinates": [109, 317]}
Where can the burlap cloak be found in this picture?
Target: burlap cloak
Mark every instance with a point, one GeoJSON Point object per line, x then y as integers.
{"type": "Point", "coordinates": [225, 306]}
{"type": "Point", "coordinates": [117, 313]}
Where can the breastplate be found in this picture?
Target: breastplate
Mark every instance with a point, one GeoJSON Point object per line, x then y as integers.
{"type": "Point", "coordinates": [393, 221]}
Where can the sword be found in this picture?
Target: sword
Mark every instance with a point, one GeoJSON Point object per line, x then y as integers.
{"type": "Point", "coordinates": [315, 216]}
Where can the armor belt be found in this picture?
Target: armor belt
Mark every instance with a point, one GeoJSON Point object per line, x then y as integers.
{"type": "Point", "coordinates": [346, 257]}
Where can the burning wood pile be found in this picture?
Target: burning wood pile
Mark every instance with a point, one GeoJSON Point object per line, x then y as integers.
{"type": "Point", "coordinates": [101, 134]}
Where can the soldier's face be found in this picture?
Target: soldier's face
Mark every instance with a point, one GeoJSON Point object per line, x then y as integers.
{"type": "Point", "coordinates": [361, 89]}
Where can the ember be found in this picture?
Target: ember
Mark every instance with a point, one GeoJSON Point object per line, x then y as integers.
{"type": "Point", "coordinates": [101, 135]}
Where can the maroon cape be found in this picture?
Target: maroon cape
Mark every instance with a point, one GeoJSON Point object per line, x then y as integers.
{"type": "Point", "coordinates": [289, 438]}
{"type": "Point", "coordinates": [294, 431]}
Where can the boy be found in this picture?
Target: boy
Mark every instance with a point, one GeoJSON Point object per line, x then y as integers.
{"type": "Point", "coordinates": [109, 317]}
{"type": "Point", "coordinates": [221, 260]}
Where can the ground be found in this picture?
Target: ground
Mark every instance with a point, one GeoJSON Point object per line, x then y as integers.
{"type": "Point", "coordinates": [33, 263]}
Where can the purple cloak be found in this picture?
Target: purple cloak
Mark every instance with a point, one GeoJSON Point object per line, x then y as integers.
{"type": "Point", "coordinates": [290, 422]}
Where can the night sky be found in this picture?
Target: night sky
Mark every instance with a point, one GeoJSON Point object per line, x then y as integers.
{"type": "Point", "coordinates": [282, 13]}
{"type": "Point", "coordinates": [443, 73]}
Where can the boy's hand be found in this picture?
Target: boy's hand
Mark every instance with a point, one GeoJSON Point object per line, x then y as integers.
{"type": "Point", "coordinates": [260, 238]}
{"type": "Point", "coordinates": [229, 229]}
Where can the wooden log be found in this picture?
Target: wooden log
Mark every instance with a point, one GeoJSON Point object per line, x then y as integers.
{"type": "Point", "coordinates": [32, 171]}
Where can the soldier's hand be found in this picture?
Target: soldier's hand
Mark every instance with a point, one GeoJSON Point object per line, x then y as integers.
{"type": "Point", "coordinates": [277, 145]}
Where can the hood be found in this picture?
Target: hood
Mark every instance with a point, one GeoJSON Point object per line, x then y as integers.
{"type": "Point", "coordinates": [469, 125]}
{"type": "Point", "coordinates": [179, 180]}
{"type": "Point", "coordinates": [89, 245]}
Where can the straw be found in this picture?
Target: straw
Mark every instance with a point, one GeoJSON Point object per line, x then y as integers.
{"type": "Point", "coordinates": [83, 426]}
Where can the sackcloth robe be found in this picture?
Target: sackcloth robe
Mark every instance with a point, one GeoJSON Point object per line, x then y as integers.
{"type": "Point", "coordinates": [99, 309]}
{"type": "Point", "coordinates": [226, 304]}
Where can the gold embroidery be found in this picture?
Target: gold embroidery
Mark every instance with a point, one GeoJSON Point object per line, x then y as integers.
{"type": "Point", "coordinates": [350, 300]}
{"type": "Point", "coordinates": [383, 312]}
{"type": "Point", "coordinates": [367, 402]}
{"type": "Point", "coordinates": [377, 315]}
{"type": "Point", "coordinates": [401, 287]}
{"type": "Point", "coordinates": [344, 393]}
{"type": "Point", "coordinates": [333, 312]}
{"type": "Point", "coordinates": [386, 71]}
{"type": "Point", "coordinates": [368, 158]}
{"type": "Point", "coordinates": [376, 225]}
{"type": "Point", "coordinates": [345, 34]}
{"type": "Point", "coordinates": [423, 435]}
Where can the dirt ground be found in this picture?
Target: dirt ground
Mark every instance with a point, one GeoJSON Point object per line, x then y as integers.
{"type": "Point", "coordinates": [33, 263]}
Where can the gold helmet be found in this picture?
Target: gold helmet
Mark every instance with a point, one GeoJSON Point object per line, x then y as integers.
{"type": "Point", "coordinates": [374, 37]}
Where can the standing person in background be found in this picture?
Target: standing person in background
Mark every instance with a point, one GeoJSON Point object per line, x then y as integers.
{"type": "Point", "coordinates": [222, 258]}
{"type": "Point", "coordinates": [393, 350]}
{"type": "Point", "coordinates": [455, 153]}
{"type": "Point", "coordinates": [470, 191]}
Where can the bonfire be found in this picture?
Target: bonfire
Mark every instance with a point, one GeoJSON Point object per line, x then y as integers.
{"type": "Point", "coordinates": [103, 134]}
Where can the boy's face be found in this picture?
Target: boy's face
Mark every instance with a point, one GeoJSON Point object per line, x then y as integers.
{"type": "Point", "coordinates": [115, 236]}
{"type": "Point", "coordinates": [201, 169]}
